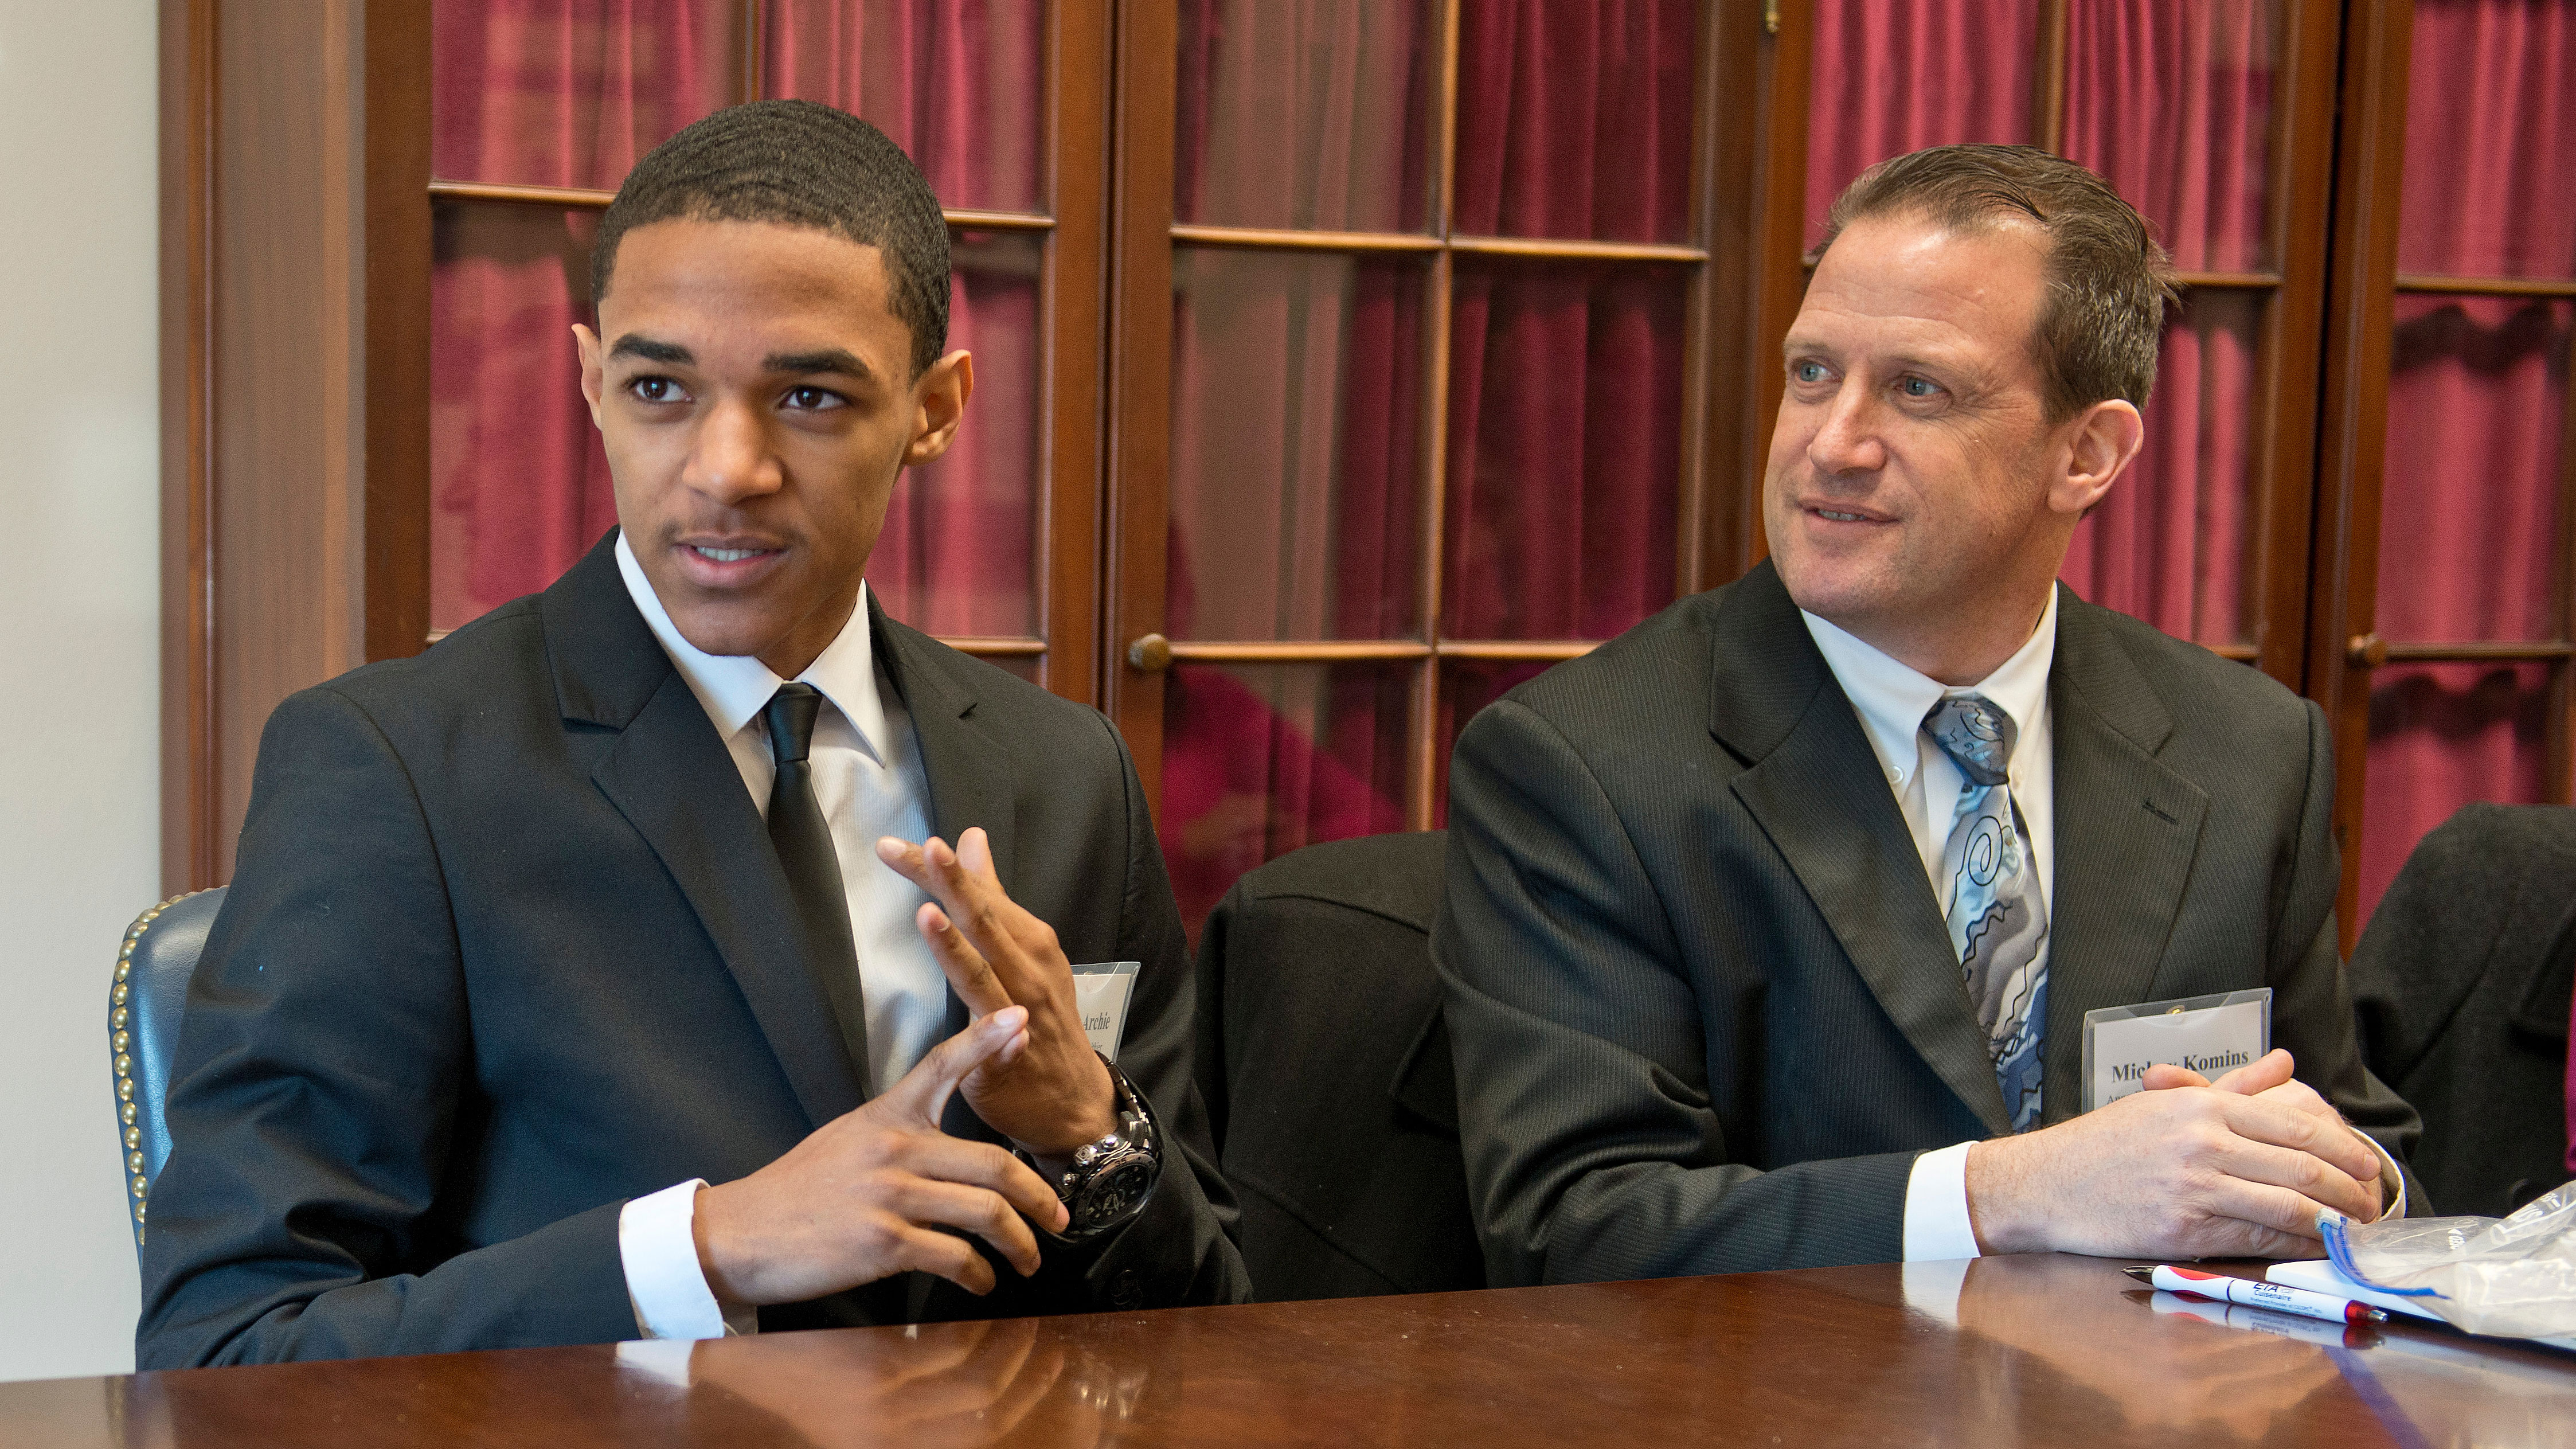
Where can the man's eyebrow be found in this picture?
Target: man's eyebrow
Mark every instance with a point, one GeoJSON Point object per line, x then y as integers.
{"type": "Point", "coordinates": [830, 359]}
{"type": "Point", "coordinates": [670, 354]}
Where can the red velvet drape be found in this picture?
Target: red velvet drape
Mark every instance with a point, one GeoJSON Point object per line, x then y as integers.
{"type": "Point", "coordinates": [570, 93]}
{"type": "Point", "coordinates": [1296, 398]}
{"type": "Point", "coordinates": [2169, 102]}
{"type": "Point", "coordinates": [2477, 419]}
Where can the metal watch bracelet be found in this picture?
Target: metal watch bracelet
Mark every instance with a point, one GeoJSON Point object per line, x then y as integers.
{"type": "Point", "coordinates": [1109, 1179]}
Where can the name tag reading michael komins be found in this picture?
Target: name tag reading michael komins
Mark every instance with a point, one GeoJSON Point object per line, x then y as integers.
{"type": "Point", "coordinates": [2211, 1035]}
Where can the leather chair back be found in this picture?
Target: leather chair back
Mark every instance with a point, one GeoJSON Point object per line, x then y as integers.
{"type": "Point", "coordinates": [1325, 1065]}
{"type": "Point", "coordinates": [144, 1006]}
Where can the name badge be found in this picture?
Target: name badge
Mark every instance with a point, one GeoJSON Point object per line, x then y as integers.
{"type": "Point", "coordinates": [1100, 993]}
{"type": "Point", "coordinates": [2211, 1035]}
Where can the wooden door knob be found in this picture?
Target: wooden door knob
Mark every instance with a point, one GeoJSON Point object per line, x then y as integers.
{"type": "Point", "coordinates": [2366, 651]}
{"type": "Point", "coordinates": [1150, 652]}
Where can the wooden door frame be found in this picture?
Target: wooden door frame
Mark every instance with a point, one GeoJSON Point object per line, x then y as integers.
{"type": "Point", "coordinates": [2352, 416]}
{"type": "Point", "coordinates": [294, 372]}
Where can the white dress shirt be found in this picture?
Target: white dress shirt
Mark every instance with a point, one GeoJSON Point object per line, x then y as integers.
{"type": "Point", "coordinates": [1892, 700]}
{"type": "Point", "coordinates": [868, 779]}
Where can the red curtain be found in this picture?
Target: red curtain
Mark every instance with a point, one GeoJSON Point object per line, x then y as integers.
{"type": "Point", "coordinates": [570, 93]}
{"type": "Point", "coordinates": [1892, 76]}
{"type": "Point", "coordinates": [2171, 103]}
{"type": "Point", "coordinates": [2477, 419]}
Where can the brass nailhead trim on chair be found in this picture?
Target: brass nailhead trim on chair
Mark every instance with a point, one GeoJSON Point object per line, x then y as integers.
{"type": "Point", "coordinates": [118, 1041]}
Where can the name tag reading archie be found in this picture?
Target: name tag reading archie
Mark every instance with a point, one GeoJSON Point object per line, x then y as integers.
{"type": "Point", "coordinates": [2211, 1035]}
{"type": "Point", "coordinates": [1100, 993]}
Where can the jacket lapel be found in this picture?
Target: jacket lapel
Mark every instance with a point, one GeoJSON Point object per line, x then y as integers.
{"type": "Point", "coordinates": [2127, 830]}
{"type": "Point", "coordinates": [1812, 783]}
{"type": "Point", "coordinates": [969, 776]}
{"type": "Point", "coordinates": [673, 780]}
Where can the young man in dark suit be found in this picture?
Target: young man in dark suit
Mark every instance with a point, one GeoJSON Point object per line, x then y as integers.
{"type": "Point", "coordinates": [559, 998]}
{"type": "Point", "coordinates": [1771, 926]}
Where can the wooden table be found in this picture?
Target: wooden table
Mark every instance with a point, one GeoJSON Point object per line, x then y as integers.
{"type": "Point", "coordinates": [2002, 1351]}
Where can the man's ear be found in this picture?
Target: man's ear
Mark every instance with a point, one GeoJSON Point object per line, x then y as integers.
{"type": "Point", "coordinates": [939, 402]}
{"type": "Point", "coordinates": [594, 368]}
{"type": "Point", "coordinates": [2103, 439]}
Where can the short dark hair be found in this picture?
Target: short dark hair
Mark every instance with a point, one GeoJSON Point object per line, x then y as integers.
{"type": "Point", "coordinates": [2108, 281]}
{"type": "Point", "coordinates": [797, 163]}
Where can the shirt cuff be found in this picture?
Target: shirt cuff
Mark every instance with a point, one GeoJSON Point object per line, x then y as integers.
{"type": "Point", "coordinates": [658, 1245]}
{"type": "Point", "coordinates": [1936, 1207]}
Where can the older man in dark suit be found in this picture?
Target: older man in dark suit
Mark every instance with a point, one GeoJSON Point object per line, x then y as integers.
{"type": "Point", "coordinates": [1771, 926]}
{"type": "Point", "coordinates": [607, 971]}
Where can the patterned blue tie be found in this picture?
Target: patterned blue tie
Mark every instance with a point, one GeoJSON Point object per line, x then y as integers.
{"type": "Point", "coordinates": [1998, 923]}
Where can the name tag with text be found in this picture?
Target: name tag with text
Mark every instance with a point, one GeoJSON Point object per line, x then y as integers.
{"type": "Point", "coordinates": [2211, 1035]}
{"type": "Point", "coordinates": [1101, 992]}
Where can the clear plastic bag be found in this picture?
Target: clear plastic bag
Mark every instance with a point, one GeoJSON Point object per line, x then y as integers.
{"type": "Point", "coordinates": [2513, 1277]}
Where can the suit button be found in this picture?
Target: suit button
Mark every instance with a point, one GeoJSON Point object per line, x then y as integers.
{"type": "Point", "coordinates": [1125, 1291]}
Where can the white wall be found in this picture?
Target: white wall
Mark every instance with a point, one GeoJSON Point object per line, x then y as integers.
{"type": "Point", "coordinates": [79, 651]}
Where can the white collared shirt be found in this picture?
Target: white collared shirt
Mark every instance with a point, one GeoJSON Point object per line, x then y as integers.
{"type": "Point", "coordinates": [869, 781]}
{"type": "Point", "coordinates": [1891, 700]}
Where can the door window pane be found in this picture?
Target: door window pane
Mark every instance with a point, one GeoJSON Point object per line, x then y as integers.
{"type": "Point", "coordinates": [1574, 118]}
{"type": "Point", "coordinates": [1260, 759]}
{"type": "Point", "coordinates": [2469, 499]}
{"type": "Point", "coordinates": [2173, 105]}
{"type": "Point", "coordinates": [2172, 544]}
{"type": "Point", "coordinates": [1295, 494]}
{"type": "Point", "coordinates": [2491, 140]}
{"type": "Point", "coordinates": [959, 551]}
{"type": "Point", "coordinates": [958, 84]}
{"type": "Point", "coordinates": [1892, 78]}
{"type": "Point", "coordinates": [1308, 114]}
{"type": "Point", "coordinates": [2442, 735]}
{"type": "Point", "coordinates": [1564, 448]}
{"type": "Point", "coordinates": [518, 485]}
{"type": "Point", "coordinates": [572, 92]}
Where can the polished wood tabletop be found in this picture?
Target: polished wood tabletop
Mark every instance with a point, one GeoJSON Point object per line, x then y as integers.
{"type": "Point", "coordinates": [2040, 1350]}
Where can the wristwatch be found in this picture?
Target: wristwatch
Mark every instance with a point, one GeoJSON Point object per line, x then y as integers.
{"type": "Point", "coordinates": [1110, 1178]}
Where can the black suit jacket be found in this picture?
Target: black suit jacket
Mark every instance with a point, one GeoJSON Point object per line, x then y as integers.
{"type": "Point", "coordinates": [1327, 1076]}
{"type": "Point", "coordinates": [507, 945]}
{"type": "Point", "coordinates": [1705, 1010]}
{"type": "Point", "coordinates": [2462, 982]}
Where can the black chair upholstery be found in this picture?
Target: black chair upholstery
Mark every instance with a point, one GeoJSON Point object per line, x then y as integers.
{"type": "Point", "coordinates": [1326, 1069]}
{"type": "Point", "coordinates": [2462, 985]}
{"type": "Point", "coordinates": [144, 1006]}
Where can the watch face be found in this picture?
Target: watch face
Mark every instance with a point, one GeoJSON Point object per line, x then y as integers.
{"type": "Point", "coordinates": [1113, 1192]}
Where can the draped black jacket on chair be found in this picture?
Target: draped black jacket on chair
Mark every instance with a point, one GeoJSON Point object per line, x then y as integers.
{"type": "Point", "coordinates": [508, 945]}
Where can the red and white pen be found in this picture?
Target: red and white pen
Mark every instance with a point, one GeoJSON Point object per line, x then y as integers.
{"type": "Point", "coordinates": [2279, 1297]}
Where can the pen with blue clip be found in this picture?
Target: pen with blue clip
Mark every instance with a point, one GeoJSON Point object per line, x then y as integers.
{"type": "Point", "coordinates": [2254, 1293]}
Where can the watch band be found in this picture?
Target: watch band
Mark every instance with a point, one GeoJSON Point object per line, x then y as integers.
{"type": "Point", "coordinates": [1109, 1179]}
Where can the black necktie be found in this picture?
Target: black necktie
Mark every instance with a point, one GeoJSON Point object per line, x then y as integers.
{"type": "Point", "coordinates": [804, 843]}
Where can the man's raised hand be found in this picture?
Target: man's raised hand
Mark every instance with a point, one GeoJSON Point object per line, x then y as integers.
{"type": "Point", "coordinates": [1054, 1096]}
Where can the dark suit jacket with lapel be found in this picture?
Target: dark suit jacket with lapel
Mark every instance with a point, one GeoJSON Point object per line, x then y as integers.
{"type": "Point", "coordinates": [507, 945]}
{"type": "Point", "coordinates": [1704, 1007]}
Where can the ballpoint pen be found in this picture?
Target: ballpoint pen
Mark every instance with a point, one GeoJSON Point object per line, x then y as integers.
{"type": "Point", "coordinates": [2254, 1293]}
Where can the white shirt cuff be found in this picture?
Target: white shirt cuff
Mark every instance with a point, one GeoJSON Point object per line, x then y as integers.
{"type": "Point", "coordinates": [1936, 1207]}
{"type": "Point", "coordinates": [658, 1245]}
